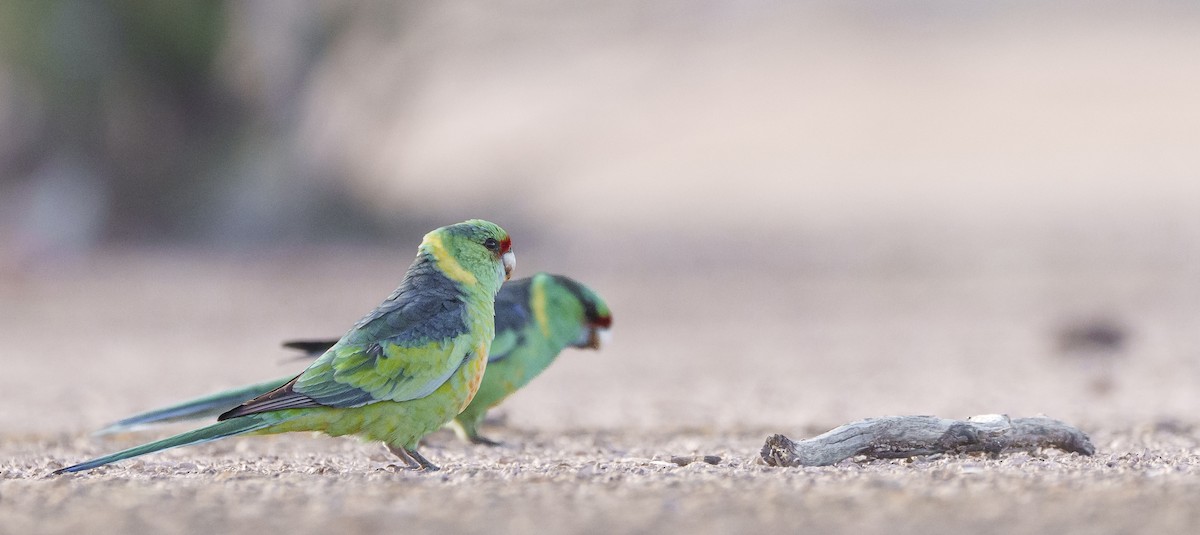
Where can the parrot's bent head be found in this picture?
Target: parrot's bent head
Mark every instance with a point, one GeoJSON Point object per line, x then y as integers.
{"type": "Point", "coordinates": [599, 321]}
{"type": "Point", "coordinates": [597, 318]}
{"type": "Point", "coordinates": [471, 252]}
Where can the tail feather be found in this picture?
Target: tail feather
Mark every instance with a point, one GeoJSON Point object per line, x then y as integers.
{"type": "Point", "coordinates": [216, 431]}
{"type": "Point", "coordinates": [203, 407]}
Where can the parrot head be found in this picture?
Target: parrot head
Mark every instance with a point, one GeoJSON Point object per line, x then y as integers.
{"type": "Point", "coordinates": [473, 251]}
{"type": "Point", "coordinates": [597, 318]}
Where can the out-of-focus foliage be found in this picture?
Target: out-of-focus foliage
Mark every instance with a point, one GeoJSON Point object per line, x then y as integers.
{"type": "Point", "coordinates": [974, 135]}
{"type": "Point", "coordinates": [119, 105]}
{"type": "Point", "coordinates": [120, 120]}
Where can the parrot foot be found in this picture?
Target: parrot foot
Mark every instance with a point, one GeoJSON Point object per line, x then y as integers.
{"type": "Point", "coordinates": [484, 441]}
{"type": "Point", "coordinates": [412, 460]}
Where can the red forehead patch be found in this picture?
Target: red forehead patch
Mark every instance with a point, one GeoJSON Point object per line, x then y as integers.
{"type": "Point", "coordinates": [603, 321]}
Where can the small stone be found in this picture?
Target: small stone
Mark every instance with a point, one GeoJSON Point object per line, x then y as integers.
{"type": "Point", "coordinates": [684, 460]}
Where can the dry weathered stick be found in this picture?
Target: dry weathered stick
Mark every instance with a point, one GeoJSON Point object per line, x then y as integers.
{"type": "Point", "coordinates": [909, 436]}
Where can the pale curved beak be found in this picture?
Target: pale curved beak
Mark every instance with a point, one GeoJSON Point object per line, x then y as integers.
{"type": "Point", "coordinates": [510, 264]}
{"type": "Point", "coordinates": [594, 338]}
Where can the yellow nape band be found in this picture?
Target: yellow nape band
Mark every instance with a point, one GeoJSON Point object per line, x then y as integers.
{"type": "Point", "coordinates": [537, 300]}
{"type": "Point", "coordinates": [447, 263]}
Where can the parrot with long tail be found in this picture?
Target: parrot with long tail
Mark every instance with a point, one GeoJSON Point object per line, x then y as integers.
{"type": "Point", "coordinates": [403, 371]}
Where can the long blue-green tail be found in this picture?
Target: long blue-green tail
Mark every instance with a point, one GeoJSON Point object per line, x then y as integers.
{"type": "Point", "coordinates": [228, 428]}
{"type": "Point", "coordinates": [204, 407]}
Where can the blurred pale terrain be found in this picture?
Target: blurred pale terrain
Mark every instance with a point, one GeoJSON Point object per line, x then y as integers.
{"type": "Point", "coordinates": [801, 214]}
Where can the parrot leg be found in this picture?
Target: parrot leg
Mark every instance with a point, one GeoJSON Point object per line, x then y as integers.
{"type": "Point", "coordinates": [425, 464]}
{"type": "Point", "coordinates": [466, 427]}
{"type": "Point", "coordinates": [412, 459]}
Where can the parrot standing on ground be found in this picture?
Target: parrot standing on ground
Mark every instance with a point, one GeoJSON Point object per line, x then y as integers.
{"type": "Point", "coordinates": [402, 371]}
{"type": "Point", "coordinates": [536, 318]}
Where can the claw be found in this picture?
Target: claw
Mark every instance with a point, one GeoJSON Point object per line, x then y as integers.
{"type": "Point", "coordinates": [412, 460]}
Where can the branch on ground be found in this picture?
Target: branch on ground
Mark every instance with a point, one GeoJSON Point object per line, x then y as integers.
{"type": "Point", "coordinates": [896, 437]}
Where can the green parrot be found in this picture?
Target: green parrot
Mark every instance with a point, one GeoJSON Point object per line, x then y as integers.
{"type": "Point", "coordinates": [402, 371]}
{"type": "Point", "coordinates": [536, 318]}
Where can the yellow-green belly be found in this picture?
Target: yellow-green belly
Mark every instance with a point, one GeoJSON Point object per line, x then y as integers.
{"type": "Point", "coordinates": [399, 423]}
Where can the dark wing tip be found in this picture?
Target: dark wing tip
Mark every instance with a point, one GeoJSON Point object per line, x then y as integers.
{"type": "Point", "coordinates": [280, 398]}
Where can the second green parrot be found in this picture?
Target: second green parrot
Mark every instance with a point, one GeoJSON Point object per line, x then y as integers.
{"type": "Point", "coordinates": [536, 318]}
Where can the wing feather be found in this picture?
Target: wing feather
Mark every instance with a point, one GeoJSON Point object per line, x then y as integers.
{"type": "Point", "coordinates": [404, 349]}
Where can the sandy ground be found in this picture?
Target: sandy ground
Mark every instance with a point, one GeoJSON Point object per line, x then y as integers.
{"type": "Point", "coordinates": [695, 368]}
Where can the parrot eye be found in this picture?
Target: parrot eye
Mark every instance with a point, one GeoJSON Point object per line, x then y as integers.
{"type": "Point", "coordinates": [492, 245]}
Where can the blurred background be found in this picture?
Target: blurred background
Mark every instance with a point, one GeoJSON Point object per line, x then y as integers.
{"type": "Point", "coordinates": [801, 212]}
